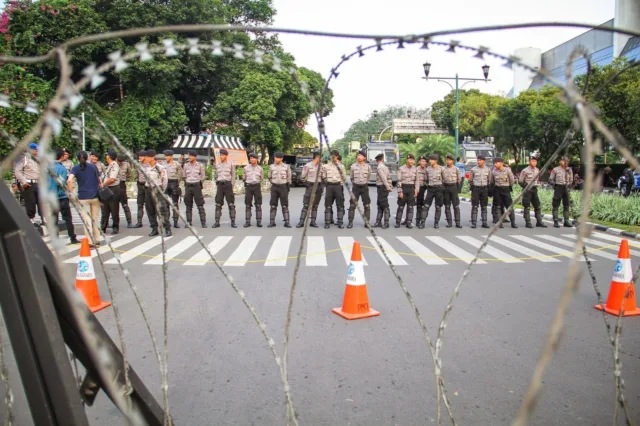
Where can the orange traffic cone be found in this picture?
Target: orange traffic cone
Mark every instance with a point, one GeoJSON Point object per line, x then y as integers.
{"type": "Point", "coordinates": [355, 304]}
{"type": "Point", "coordinates": [86, 279]}
{"type": "Point", "coordinates": [621, 282]}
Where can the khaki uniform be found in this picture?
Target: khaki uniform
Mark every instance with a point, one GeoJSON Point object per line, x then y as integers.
{"type": "Point", "coordinates": [406, 193]}
{"type": "Point", "coordinates": [27, 172]}
{"type": "Point", "coordinates": [451, 179]}
{"type": "Point", "coordinates": [479, 181]}
{"type": "Point", "coordinates": [421, 189]}
{"type": "Point", "coordinates": [140, 199]}
{"type": "Point", "coordinates": [194, 177]}
{"type": "Point", "coordinates": [503, 181]}
{"type": "Point", "coordinates": [561, 179]}
{"type": "Point", "coordinates": [280, 178]}
{"type": "Point", "coordinates": [125, 175]}
{"type": "Point", "coordinates": [384, 185]}
{"type": "Point", "coordinates": [112, 206]}
{"type": "Point", "coordinates": [434, 181]}
{"type": "Point", "coordinates": [252, 177]}
{"type": "Point", "coordinates": [225, 178]}
{"type": "Point", "coordinates": [528, 175]}
{"type": "Point", "coordinates": [158, 176]}
{"type": "Point", "coordinates": [360, 175]}
{"type": "Point", "coordinates": [174, 176]}
{"type": "Point", "coordinates": [309, 174]}
{"type": "Point", "coordinates": [68, 164]}
{"type": "Point", "coordinates": [101, 168]}
{"type": "Point", "coordinates": [333, 174]}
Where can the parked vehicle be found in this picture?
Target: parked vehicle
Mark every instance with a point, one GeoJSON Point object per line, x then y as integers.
{"type": "Point", "coordinates": [623, 184]}
{"type": "Point", "coordinates": [391, 153]}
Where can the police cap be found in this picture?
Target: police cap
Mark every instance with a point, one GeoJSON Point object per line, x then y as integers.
{"type": "Point", "coordinates": [253, 155]}
{"type": "Point", "coordinates": [450, 157]}
{"type": "Point", "coordinates": [533, 157]}
{"type": "Point", "coordinates": [434, 157]}
{"type": "Point", "coordinates": [142, 153]}
{"type": "Point", "coordinates": [278, 155]}
{"type": "Point", "coordinates": [361, 153]}
{"type": "Point", "coordinates": [95, 153]}
{"type": "Point", "coordinates": [224, 152]}
{"type": "Point", "coordinates": [167, 152]}
{"type": "Point", "coordinates": [112, 155]}
{"type": "Point", "coordinates": [192, 153]}
{"type": "Point", "coordinates": [122, 157]}
{"type": "Point", "coordinates": [423, 158]}
{"type": "Point", "coordinates": [334, 153]}
{"type": "Point", "coordinates": [481, 157]}
{"type": "Point", "coordinates": [380, 156]}
{"type": "Point", "coordinates": [410, 156]}
{"type": "Point", "coordinates": [151, 153]}
{"type": "Point", "coordinates": [498, 160]}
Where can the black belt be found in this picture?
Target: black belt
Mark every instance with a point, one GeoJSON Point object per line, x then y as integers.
{"type": "Point", "coordinates": [434, 187]}
{"type": "Point", "coordinates": [450, 184]}
{"type": "Point", "coordinates": [192, 183]}
{"type": "Point", "coordinates": [334, 183]}
{"type": "Point", "coordinates": [279, 184]}
{"type": "Point", "coordinates": [173, 180]}
{"type": "Point", "coordinates": [480, 187]}
{"type": "Point", "coordinates": [500, 187]}
{"type": "Point", "coordinates": [360, 184]}
{"type": "Point", "coordinates": [142, 183]}
{"type": "Point", "coordinates": [223, 182]}
{"type": "Point", "coordinates": [253, 184]}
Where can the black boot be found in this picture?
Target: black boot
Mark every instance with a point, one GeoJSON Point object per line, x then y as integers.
{"type": "Point", "coordinates": [352, 214]}
{"type": "Point", "coordinates": [314, 214]}
{"type": "Point", "coordinates": [567, 221]}
{"type": "Point", "coordinates": [554, 213]}
{"type": "Point", "coordinates": [127, 215]}
{"type": "Point", "coordinates": [539, 222]}
{"type": "Point", "coordinates": [512, 216]}
{"type": "Point", "coordinates": [494, 211]}
{"type": "Point", "coordinates": [203, 216]}
{"type": "Point", "coordinates": [340, 214]}
{"type": "Point", "coordinates": [367, 214]}
{"type": "Point", "coordinates": [232, 215]}
{"type": "Point", "coordinates": [327, 217]}
{"type": "Point", "coordinates": [399, 216]}
{"type": "Point", "coordinates": [154, 232]}
{"type": "Point", "coordinates": [175, 224]}
{"type": "Point", "coordinates": [303, 215]}
{"type": "Point", "coordinates": [474, 216]}
{"type": "Point", "coordinates": [259, 215]}
{"type": "Point", "coordinates": [285, 214]}
{"type": "Point", "coordinates": [387, 215]}
{"type": "Point", "coordinates": [424, 214]}
{"type": "Point", "coordinates": [247, 217]}
{"type": "Point", "coordinates": [218, 216]}
{"type": "Point", "coordinates": [409, 217]}
{"type": "Point", "coordinates": [167, 232]}
{"type": "Point", "coordinates": [483, 213]}
{"type": "Point", "coordinates": [272, 216]}
{"type": "Point", "coordinates": [527, 218]}
{"type": "Point", "coordinates": [456, 216]}
{"type": "Point", "coordinates": [378, 223]}
{"type": "Point", "coordinates": [140, 215]}
{"type": "Point", "coordinates": [436, 220]}
{"type": "Point", "coordinates": [447, 215]}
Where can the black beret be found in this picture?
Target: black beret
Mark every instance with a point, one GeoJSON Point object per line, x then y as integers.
{"type": "Point", "coordinates": [533, 157]}
{"type": "Point", "coordinates": [142, 153]}
{"type": "Point", "coordinates": [278, 155]}
{"type": "Point", "coordinates": [317, 154]}
{"type": "Point", "coordinates": [481, 157]}
{"type": "Point", "coordinates": [224, 152]}
{"type": "Point", "coordinates": [122, 157]}
{"type": "Point", "coordinates": [193, 153]}
{"type": "Point", "coordinates": [151, 153]}
{"type": "Point", "coordinates": [423, 158]}
{"type": "Point", "coordinates": [253, 155]}
{"type": "Point", "coordinates": [434, 157]}
{"type": "Point", "coordinates": [334, 153]}
{"type": "Point", "coordinates": [380, 156]}
{"type": "Point", "coordinates": [361, 153]}
{"type": "Point", "coordinates": [450, 157]}
{"type": "Point", "coordinates": [112, 155]}
{"type": "Point", "coordinates": [498, 160]}
{"type": "Point", "coordinates": [168, 152]}
{"type": "Point", "coordinates": [410, 156]}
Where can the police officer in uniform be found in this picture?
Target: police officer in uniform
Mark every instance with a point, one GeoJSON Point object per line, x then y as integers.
{"type": "Point", "coordinates": [479, 180]}
{"type": "Point", "coordinates": [384, 185]}
{"type": "Point", "coordinates": [333, 175]}
{"type": "Point", "coordinates": [280, 178]}
{"type": "Point", "coordinates": [141, 182]}
{"type": "Point", "coordinates": [309, 175]}
{"type": "Point", "coordinates": [421, 176]}
{"type": "Point", "coordinates": [225, 179]}
{"type": "Point", "coordinates": [451, 179]}
{"type": "Point", "coordinates": [503, 180]}
{"type": "Point", "coordinates": [125, 175]}
{"type": "Point", "coordinates": [154, 202]}
{"type": "Point", "coordinates": [528, 175]}
{"type": "Point", "coordinates": [252, 177]}
{"type": "Point", "coordinates": [174, 176]}
{"type": "Point", "coordinates": [112, 206]}
{"type": "Point", "coordinates": [435, 190]}
{"type": "Point", "coordinates": [66, 161]}
{"type": "Point", "coordinates": [360, 174]}
{"type": "Point", "coordinates": [194, 176]}
{"type": "Point", "coordinates": [406, 191]}
{"type": "Point", "coordinates": [561, 178]}
{"type": "Point", "coordinates": [94, 157]}
{"type": "Point", "coordinates": [27, 171]}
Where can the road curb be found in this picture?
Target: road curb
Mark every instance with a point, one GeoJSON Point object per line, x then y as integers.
{"type": "Point", "coordinates": [596, 226]}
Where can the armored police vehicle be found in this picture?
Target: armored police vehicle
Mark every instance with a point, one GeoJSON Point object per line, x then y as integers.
{"type": "Point", "coordinates": [470, 150]}
{"type": "Point", "coordinates": [391, 153]}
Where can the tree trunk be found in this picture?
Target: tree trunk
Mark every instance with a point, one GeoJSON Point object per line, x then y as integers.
{"type": "Point", "coordinates": [271, 151]}
{"type": "Point", "coordinates": [262, 154]}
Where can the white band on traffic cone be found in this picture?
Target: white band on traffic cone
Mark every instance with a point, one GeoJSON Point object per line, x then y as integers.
{"type": "Point", "coordinates": [623, 272]}
{"type": "Point", "coordinates": [85, 270]}
{"type": "Point", "coordinates": [355, 275]}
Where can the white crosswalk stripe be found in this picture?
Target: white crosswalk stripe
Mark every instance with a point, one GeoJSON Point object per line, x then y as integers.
{"type": "Point", "coordinates": [410, 251]}
{"type": "Point", "coordinates": [609, 246]}
{"type": "Point", "coordinates": [567, 243]}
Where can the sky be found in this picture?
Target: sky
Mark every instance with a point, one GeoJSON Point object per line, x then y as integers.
{"type": "Point", "coordinates": [394, 77]}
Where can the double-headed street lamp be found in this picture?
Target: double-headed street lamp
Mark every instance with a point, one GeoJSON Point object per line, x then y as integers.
{"type": "Point", "coordinates": [485, 71]}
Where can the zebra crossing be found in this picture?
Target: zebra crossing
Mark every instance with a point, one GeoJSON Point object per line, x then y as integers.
{"type": "Point", "coordinates": [324, 251]}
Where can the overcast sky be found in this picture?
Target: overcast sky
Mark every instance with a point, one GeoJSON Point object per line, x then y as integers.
{"type": "Point", "coordinates": [394, 76]}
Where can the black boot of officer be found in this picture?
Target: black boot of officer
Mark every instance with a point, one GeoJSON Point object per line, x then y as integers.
{"type": "Point", "coordinates": [272, 216]}
{"type": "Point", "coordinates": [247, 215]}
{"type": "Point", "coordinates": [303, 215]}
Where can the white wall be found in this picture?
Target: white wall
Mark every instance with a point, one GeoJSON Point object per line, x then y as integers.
{"type": "Point", "coordinates": [531, 56]}
{"type": "Point", "coordinates": [627, 16]}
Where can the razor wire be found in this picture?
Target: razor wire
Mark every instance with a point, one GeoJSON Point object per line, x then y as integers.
{"type": "Point", "coordinates": [49, 123]}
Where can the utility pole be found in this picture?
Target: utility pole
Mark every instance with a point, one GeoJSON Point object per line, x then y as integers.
{"type": "Point", "coordinates": [84, 146]}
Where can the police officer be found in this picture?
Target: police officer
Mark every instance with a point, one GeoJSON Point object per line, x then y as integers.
{"type": "Point", "coordinates": [406, 191]}
{"type": "Point", "coordinates": [194, 176]}
{"type": "Point", "coordinates": [94, 157]}
{"type": "Point", "coordinates": [435, 190]}
{"type": "Point", "coordinates": [124, 176]}
{"type": "Point", "coordinates": [496, 211]}
{"type": "Point", "coordinates": [280, 178]}
{"type": "Point", "coordinates": [451, 179]}
{"type": "Point", "coordinates": [421, 176]}
{"type": "Point", "coordinates": [26, 171]}
{"type": "Point", "coordinates": [174, 176]}
{"type": "Point", "coordinates": [154, 201]}
{"type": "Point", "coordinates": [309, 175]}
{"type": "Point", "coordinates": [479, 180]}
{"type": "Point", "coordinates": [225, 179]}
{"type": "Point", "coordinates": [385, 186]}
{"type": "Point", "coordinates": [360, 174]}
{"type": "Point", "coordinates": [112, 206]}
{"type": "Point", "coordinates": [561, 178]}
{"type": "Point", "coordinates": [333, 175]}
{"type": "Point", "coordinates": [141, 182]}
{"type": "Point", "coordinates": [528, 175]}
{"type": "Point", "coordinates": [252, 177]}
{"type": "Point", "coordinates": [66, 161]}
{"type": "Point", "coordinates": [503, 180]}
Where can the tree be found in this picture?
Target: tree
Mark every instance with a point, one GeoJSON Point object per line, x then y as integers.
{"type": "Point", "coordinates": [429, 144]}
{"type": "Point", "coordinates": [549, 121]}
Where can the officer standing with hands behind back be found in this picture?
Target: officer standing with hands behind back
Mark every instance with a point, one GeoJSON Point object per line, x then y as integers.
{"type": "Point", "coordinates": [225, 178]}
{"type": "Point", "coordinates": [252, 177]}
{"type": "Point", "coordinates": [435, 186]}
{"type": "Point", "coordinates": [141, 182]}
{"type": "Point", "coordinates": [194, 176]}
{"type": "Point", "coordinates": [452, 179]}
{"type": "Point", "coordinates": [333, 175]}
{"type": "Point", "coordinates": [503, 179]}
{"type": "Point", "coordinates": [174, 176]}
{"type": "Point", "coordinates": [309, 174]}
{"type": "Point", "coordinates": [280, 178]}
{"type": "Point", "coordinates": [155, 204]}
{"type": "Point", "coordinates": [479, 181]}
{"type": "Point", "coordinates": [384, 185]}
{"type": "Point", "coordinates": [406, 191]}
{"type": "Point", "coordinates": [561, 178]}
{"type": "Point", "coordinates": [531, 173]}
{"type": "Point", "coordinates": [125, 175]}
{"type": "Point", "coordinates": [360, 173]}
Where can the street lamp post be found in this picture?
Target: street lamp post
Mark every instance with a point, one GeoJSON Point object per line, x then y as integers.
{"type": "Point", "coordinates": [485, 70]}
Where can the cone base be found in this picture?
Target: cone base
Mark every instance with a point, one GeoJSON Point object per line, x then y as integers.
{"type": "Point", "coordinates": [626, 313]}
{"type": "Point", "coordinates": [99, 307]}
{"type": "Point", "coordinates": [370, 313]}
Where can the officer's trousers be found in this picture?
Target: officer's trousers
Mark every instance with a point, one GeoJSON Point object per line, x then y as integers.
{"type": "Point", "coordinates": [111, 207]}
{"type": "Point", "coordinates": [502, 200]}
{"type": "Point", "coordinates": [383, 206]}
{"type": "Point", "coordinates": [408, 199]}
{"type": "Point", "coordinates": [140, 201]}
{"type": "Point", "coordinates": [433, 193]}
{"type": "Point", "coordinates": [333, 193]}
{"type": "Point", "coordinates": [173, 192]}
{"type": "Point", "coordinates": [528, 198]}
{"type": "Point", "coordinates": [450, 195]}
{"type": "Point", "coordinates": [124, 201]}
{"type": "Point", "coordinates": [420, 203]}
{"type": "Point", "coordinates": [31, 200]}
{"type": "Point", "coordinates": [306, 200]}
{"type": "Point", "coordinates": [193, 192]}
{"type": "Point", "coordinates": [225, 191]}
{"type": "Point", "coordinates": [479, 197]}
{"type": "Point", "coordinates": [156, 208]}
{"type": "Point", "coordinates": [561, 194]}
{"type": "Point", "coordinates": [253, 192]}
{"type": "Point", "coordinates": [360, 191]}
{"type": "Point", "coordinates": [279, 191]}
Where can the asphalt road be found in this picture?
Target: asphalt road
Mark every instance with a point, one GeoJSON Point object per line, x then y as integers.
{"type": "Point", "coordinates": [376, 371]}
